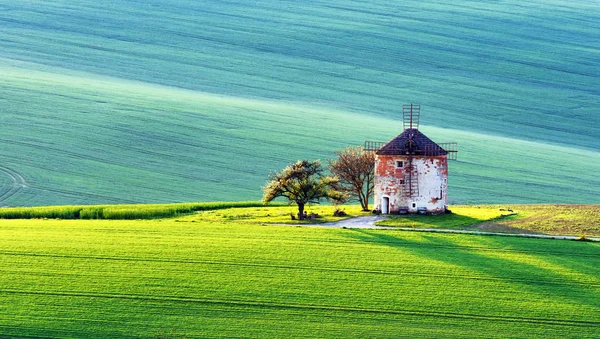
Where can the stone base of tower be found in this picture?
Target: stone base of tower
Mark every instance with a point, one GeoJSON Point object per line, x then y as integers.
{"type": "Point", "coordinates": [411, 210]}
{"type": "Point", "coordinates": [411, 184]}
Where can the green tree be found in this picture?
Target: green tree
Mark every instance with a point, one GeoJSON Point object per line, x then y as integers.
{"type": "Point", "coordinates": [355, 169]}
{"type": "Point", "coordinates": [303, 182]}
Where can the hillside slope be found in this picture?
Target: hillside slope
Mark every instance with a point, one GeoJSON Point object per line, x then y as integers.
{"type": "Point", "coordinates": [179, 101]}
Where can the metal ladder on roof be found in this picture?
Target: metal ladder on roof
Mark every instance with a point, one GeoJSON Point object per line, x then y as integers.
{"type": "Point", "coordinates": [410, 188]}
{"type": "Point", "coordinates": [410, 116]}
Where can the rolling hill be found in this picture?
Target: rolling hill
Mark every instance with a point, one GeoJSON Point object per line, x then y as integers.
{"type": "Point", "coordinates": [167, 101]}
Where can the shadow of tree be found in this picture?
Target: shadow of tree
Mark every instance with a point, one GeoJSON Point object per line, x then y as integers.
{"type": "Point", "coordinates": [568, 272]}
{"type": "Point", "coordinates": [499, 227]}
{"type": "Point", "coordinates": [456, 221]}
{"type": "Point", "coordinates": [432, 221]}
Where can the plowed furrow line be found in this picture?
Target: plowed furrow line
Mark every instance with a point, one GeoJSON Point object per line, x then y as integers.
{"type": "Point", "coordinates": [17, 186]}
{"type": "Point", "coordinates": [539, 282]}
{"type": "Point", "coordinates": [309, 307]}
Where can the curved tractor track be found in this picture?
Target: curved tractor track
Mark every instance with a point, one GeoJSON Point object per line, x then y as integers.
{"type": "Point", "coordinates": [18, 184]}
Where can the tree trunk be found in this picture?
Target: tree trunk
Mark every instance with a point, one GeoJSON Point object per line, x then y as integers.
{"type": "Point", "coordinates": [364, 201]}
{"type": "Point", "coordinates": [300, 211]}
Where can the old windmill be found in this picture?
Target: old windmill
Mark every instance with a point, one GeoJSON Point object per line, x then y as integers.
{"type": "Point", "coordinates": [411, 171]}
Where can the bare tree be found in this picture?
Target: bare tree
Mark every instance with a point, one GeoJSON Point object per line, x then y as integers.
{"type": "Point", "coordinates": [355, 169]}
{"type": "Point", "coordinates": [302, 183]}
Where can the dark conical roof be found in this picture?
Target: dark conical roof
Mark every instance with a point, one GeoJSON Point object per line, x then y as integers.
{"type": "Point", "coordinates": [420, 145]}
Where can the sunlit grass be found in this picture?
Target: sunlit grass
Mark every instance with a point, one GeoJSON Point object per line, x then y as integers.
{"type": "Point", "coordinates": [119, 212]}
{"type": "Point", "coordinates": [277, 214]}
{"type": "Point", "coordinates": [461, 217]}
{"type": "Point", "coordinates": [576, 220]}
{"type": "Point", "coordinates": [224, 275]}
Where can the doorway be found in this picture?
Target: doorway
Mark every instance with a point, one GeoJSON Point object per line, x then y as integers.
{"type": "Point", "coordinates": [385, 205]}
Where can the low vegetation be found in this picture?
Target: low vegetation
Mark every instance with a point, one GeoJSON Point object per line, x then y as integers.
{"type": "Point", "coordinates": [578, 220]}
{"type": "Point", "coordinates": [461, 217]}
{"type": "Point", "coordinates": [276, 215]}
{"type": "Point", "coordinates": [228, 275]}
{"type": "Point", "coordinates": [119, 212]}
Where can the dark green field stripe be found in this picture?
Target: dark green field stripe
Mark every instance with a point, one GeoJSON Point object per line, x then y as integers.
{"type": "Point", "coordinates": [21, 336]}
{"type": "Point", "coordinates": [266, 304]}
{"type": "Point", "coordinates": [486, 249]}
{"type": "Point", "coordinates": [313, 268]}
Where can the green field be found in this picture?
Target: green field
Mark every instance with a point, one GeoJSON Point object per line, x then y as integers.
{"type": "Point", "coordinates": [171, 101]}
{"type": "Point", "coordinates": [577, 220]}
{"type": "Point", "coordinates": [574, 220]}
{"type": "Point", "coordinates": [217, 274]}
{"type": "Point", "coordinates": [119, 212]}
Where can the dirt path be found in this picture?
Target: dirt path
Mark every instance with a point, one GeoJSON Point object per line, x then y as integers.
{"type": "Point", "coordinates": [369, 223]}
{"type": "Point", "coordinates": [358, 222]}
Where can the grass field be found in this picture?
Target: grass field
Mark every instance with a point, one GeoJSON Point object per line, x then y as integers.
{"type": "Point", "coordinates": [171, 101]}
{"type": "Point", "coordinates": [119, 212]}
{"type": "Point", "coordinates": [578, 220]}
{"type": "Point", "coordinates": [228, 277]}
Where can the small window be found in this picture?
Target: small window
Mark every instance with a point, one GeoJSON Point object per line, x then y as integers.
{"type": "Point", "coordinates": [401, 181]}
{"type": "Point", "coordinates": [445, 181]}
{"type": "Point", "coordinates": [414, 205]}
{"type": "Point", "coordinates": [399, 163]}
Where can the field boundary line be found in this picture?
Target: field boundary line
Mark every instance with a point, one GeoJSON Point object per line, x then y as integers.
{"type": "Point", "coordinates": [563, 282]}
{"type": "Point", "coordinates": [273, 304]}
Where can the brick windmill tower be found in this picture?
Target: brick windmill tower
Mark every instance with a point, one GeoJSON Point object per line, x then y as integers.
{"type": "Point", "coordinates": [411, 171]}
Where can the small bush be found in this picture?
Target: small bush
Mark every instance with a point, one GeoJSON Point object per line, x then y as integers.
{"type": "Point", "coordinates": [339, 213]}
{"type": "Point", "coordinates": [583, 237]}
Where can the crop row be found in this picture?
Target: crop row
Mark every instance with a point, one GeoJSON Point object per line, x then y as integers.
{"type": "Point", "coordinates": [118, 212]}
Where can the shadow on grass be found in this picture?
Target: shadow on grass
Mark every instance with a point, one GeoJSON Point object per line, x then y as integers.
{"type": "Point", "coordinates": [430, 221]}
{"type": "Point", "coordinates": [457, 222]}
{"type": "Point", "coordinates": [537, 266]}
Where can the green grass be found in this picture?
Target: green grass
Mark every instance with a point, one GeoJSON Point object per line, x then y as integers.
{"type": "Point", "coordinates": [232, 278]}
{"type": "Point", "coordinates": [276, 214]}
{"type": "Point", "coordinates": [99, 109]}
{"type": "Point", "coordinates": [542, 219]}
{"type": "Point", "coordinates": [461, 217]}
{"type": "Point", "coordinates": [120, 212]}
{"type": "Point", "coordinates": [575, 220]}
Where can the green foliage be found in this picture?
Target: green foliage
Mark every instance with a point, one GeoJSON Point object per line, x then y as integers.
{"type": "Point", "coordinates": [122, 212]}
{"type": "Point", "coordinates": [220, 93]}
{"type": "Point", "coordinates": [355, 169]}
{"type": "Point", "coordinates": [229, 278]}
{"type": "Point", "coordinates": [303, 182]}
